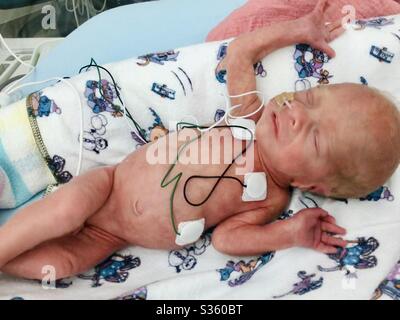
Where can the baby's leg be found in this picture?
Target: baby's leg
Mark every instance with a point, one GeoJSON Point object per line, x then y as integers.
{"type": "Point", "coordinates": [68, 255]}
{"type": "Point", "coordinates": [60, 213]}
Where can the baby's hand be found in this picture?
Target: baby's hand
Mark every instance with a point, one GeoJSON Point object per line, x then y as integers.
{"type": "Point", "coordinates": [317, 32]}
{"type": "Point", "coordinates": [313, 228]}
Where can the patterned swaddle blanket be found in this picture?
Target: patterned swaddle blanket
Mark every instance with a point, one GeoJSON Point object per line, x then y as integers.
{"type": "Point", "coordinates": [22, 168]}
{"type": "Point", "coordinates": [369, 53]}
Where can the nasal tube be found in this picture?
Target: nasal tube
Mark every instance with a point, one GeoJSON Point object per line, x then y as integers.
{"type": "Point", "coordinates": [284, 99]}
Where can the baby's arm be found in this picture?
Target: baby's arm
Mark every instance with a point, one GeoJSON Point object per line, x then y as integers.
{"type": "Point", "coordinates": [248, 234]}
{"type": "Point", "coordinates": [247, 49]}
{"type": "Point", "coordinates": [58, 214]}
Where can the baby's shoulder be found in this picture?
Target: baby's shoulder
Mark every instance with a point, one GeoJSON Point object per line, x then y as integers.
{"type": "Point", "coordinates": [277, 197]}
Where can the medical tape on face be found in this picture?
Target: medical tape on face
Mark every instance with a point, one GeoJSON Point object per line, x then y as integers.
{"type": "Point", "coordinates": [284, 99]}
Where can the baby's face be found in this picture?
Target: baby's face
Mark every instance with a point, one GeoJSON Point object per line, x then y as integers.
{"type": "Point", "coordinates": [297, 142]}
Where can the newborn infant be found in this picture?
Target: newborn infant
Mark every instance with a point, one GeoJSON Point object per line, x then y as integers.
{"type": "Point", "coordinates": [335, 140]}
{"type": "Point", "coordinates": [338, 140]}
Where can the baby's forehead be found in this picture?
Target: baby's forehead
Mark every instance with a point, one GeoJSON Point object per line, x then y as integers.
{"type": "Point", "coordinates": [337, 89]}
{"type": "Point", "coordinates": [347, 96]}
{"type": "Point", "coordinates": [347, 89]}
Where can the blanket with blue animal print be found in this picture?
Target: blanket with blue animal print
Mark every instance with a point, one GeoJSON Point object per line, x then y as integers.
{"type": "Point", "coordinates": [368, 268]}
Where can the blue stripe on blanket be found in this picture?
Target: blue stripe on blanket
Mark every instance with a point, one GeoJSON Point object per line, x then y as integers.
{"type": "Point", "coordinates": [18, 186]}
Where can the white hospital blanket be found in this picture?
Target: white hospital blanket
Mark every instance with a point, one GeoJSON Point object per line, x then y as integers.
{"type": "Point", "coordinates": [201, 272]}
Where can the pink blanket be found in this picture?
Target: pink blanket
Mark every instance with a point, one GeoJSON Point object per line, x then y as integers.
{"type": "Point", "coordinates": [259, 13]}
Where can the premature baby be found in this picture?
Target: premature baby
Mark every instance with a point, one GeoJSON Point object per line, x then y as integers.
{"type": "Point", "coordinates": [336, 140]}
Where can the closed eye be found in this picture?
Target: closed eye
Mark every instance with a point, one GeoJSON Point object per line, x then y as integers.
{"type": "Point", "coordinates": [316, 142]}
{"type": "Point", "coordinates": [308, 97]}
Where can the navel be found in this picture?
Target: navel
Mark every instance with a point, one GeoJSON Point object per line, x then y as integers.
{"type": "Point", "coordinates": [137, 210]}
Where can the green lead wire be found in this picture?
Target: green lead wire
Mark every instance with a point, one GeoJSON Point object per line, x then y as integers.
{"type": "Point", "coordinates": [93, 63]}
{"type": "Point", "coordinates": [177, 178]}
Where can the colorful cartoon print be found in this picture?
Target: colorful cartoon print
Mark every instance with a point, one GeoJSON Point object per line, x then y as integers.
{"type": "Point", "coordinates": [302, 84]}
{"type": "Point", "coordinates": [157, 130]}
{"type": "Point", "coordinates": [311, 66]}
{"type": "Point", "coordinates": [222, 50]}
{"type": "Point", "coordinates": [358, 256]}
{"type": "Point", "coordinates": [56, 166]}
{"type": "Point", "coordinates": [243, 271]}
{"type": "Point", "coordinates": [220, 76]}
{"type": "Point", "coordinates": [305, 285]}
{"type": "Point", "coordinates": [382, 54]}
{"type": "Point", "coordinates": [219, 113]}
{"type": "Point", "coordinates": [114, 269]}
{"type": "Point", "coordinates": [391, 285]}
{"type": "Point", "coordinates": [93, 140]}
{"type": "Point", "coordinates": [187, 77]}
{"type": "Point", "coordinates": [63, 284]}
{"type": "Point", "coordinates": [139, 141]}
{"type": "Point", "coordinates": [185, 259]}
{"type": "Point", "coordinates": [381, 193]}
{"type": "Point", "coordinates": [259, 69]}
{"type": "Point", "coordinates": [154, 132]}
{"type": "Point", "coordinates": [181, 82]}
{"type": "Point", "coordinates": [163, 91]}
{"type": "Point", "coordinates": [363, 81]}
{"type": "Point", "coordinates": [374, 23]}
{"type": "Point", "coordinates": [59, 283]}
{"type": "Point", "coordinates": [286, 215]}
{"type": "Point", "coordinates": [221, 73]}
{"type": "Point", "coordinates": [158, 57]}
{"type": "Point", "coordinates": [306, 201]}
{"type": "Point", "coordinates": [100, 97]}
{"type": "Point", "coordinates": [39, 105]}
{"type": "Point", "coordinates": [138, 294]}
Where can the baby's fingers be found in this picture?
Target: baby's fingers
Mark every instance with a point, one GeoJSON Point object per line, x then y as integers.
{"type": "Point", "coordinates": [333, 241]}
{"type": "Point", "coordinates": [336, 33]}
{"type": "Point", "coordinates": [321, 6]}
{"type": "Point", "coordinates": [330, 26]}
{"type": "Point", "coordinates": [325, 47]}
{"type": "Point", "coordinates": [330, 219]}
{"type": "Point", "coordinates": [333, 228]}
{"type": "Point", "coordinates": [326, 248]}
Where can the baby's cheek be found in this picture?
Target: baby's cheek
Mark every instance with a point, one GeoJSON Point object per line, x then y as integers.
{"type": "Point", "coordinates": [293, 160]}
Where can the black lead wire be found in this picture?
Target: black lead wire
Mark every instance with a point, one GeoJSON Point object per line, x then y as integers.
{"type": "Point", "coordinates": [222, 176]}
{"type": "Point", "coordinates": [187, 125]}
{"type": "Point", "coordinates": [212, 190]}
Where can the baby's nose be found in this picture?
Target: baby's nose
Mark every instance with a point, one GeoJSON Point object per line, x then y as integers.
{"type": "Point", "coordinates": [294, 120]}
{"type": "Point", "coordinates": [293, 123]}
{"type": "Point", "coordinates": [297, 119]}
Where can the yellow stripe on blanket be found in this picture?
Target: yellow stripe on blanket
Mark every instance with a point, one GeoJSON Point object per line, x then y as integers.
{"type": "Point", "coordinates": [20, 153]}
